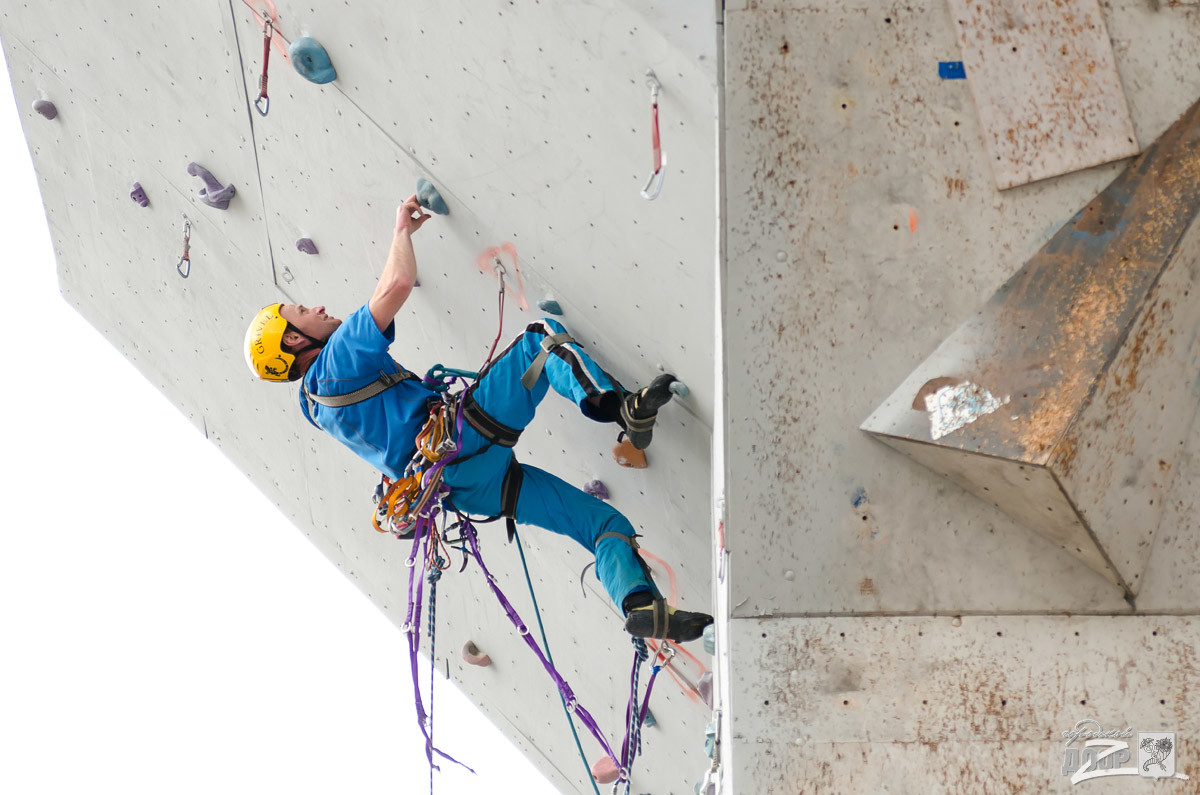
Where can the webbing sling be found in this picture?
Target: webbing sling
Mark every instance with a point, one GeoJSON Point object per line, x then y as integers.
{"type": "Point", "coordinates": [535, 369]}
{"type": "Point", "coordinates": [384, 382]}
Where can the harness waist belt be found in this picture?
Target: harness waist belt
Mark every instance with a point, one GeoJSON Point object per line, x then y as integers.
{"type": "Point", "coordinates": [495, 432]}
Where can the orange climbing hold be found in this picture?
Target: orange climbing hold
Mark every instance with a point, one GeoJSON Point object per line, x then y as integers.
{"type": "Point", "coordinates": [627, 455]}
{"type": "Point", "coordinates": [605, 770]}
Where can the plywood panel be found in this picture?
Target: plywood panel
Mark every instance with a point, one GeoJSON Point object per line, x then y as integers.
{"type": "Point", "coordinates": [1046, 85]}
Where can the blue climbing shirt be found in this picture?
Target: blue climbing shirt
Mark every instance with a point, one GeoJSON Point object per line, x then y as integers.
{"type": "Point", "coordinates": [381, 430]}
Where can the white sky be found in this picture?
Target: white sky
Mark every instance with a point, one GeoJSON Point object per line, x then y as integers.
{"type": "Point", "coordinates": [163, 628]}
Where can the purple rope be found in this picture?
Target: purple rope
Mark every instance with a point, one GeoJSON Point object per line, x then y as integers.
{"type": "Point", "coordinates": [568, 695]}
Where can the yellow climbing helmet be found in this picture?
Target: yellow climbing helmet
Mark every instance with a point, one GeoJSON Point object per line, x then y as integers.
{"type": "Point", "coordinates": [265, 355]}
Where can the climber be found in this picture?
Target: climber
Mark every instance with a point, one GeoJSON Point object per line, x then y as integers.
{"type": "Point", "coordinates": [351, 388]}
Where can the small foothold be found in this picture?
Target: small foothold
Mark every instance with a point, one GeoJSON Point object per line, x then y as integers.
{"type": "Point", "coordinates": [139, 195]}
{"type": "Point", "coordinates": [710, 639]}
{"type": "Point", "coordinates": [605, 770]}
{"type": "Point", "coordinates": [789, 575]}
{"type": "Point", "coordinates": [429, 198]}
{"type": "Point", "coordinates": [306, 245]}
{"type": "Point", "coordinates": [627, 455]}
{"type": "Point", "coordinates": [550, 306]}
{"type": "Point", "coordinates": [596, 489]}
{"type": "Point", "coordinates": [471, 653]}
{"type": "Point", "coordinates": [45, 107]}
{"type": "Point", "coordinates": [214, 194]}
{"type": "Point", "coordinates": [705, 687]}
{"type": "Point", "coordinates": [650, 721]}
{"type": "Point", "coordinates": [781, 256]}
{"type": "Point", "coordinates": [679, 389]}
{"type": "Point", "coordinates": [311, 61]}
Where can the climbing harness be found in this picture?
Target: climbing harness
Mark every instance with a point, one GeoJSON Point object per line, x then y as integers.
{"type": "Point", "coordinates": [654, 183]}
{"type": "Point", "coordinates": [263, 103]}
{"type": "Point", "coordinates": [187, 249]}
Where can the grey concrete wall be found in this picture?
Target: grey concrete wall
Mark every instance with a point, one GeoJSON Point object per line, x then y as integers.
{"type": "Point", "coordinates": [533, 120]}
{"type": "Point", "coordinates": [863, 226]}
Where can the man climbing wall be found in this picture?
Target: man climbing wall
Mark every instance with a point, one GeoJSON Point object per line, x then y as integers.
{"type": "Point", "coordinates": [352, 389]}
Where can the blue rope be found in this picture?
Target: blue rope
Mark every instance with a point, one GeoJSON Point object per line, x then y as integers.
{"type": "Point", "coordinates": [546, 645]}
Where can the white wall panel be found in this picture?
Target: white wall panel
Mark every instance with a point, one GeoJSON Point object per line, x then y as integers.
{"type": "Point", "coordinates": [533, 121]}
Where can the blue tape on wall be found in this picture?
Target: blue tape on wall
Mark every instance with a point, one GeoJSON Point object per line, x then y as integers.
{"type": "Point", "coordinates": [951, 70]}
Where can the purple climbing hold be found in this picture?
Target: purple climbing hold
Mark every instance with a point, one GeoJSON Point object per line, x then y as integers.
{"type": "Point", "coordinates": [214, 194]}
{"type": "Point", "coordinates": [596, 489]}
{"type": "Point", "coordinates": [139, 195]}
{"type": "Point", "coordinates": [306, 245]}
{"type": "Point", "coordinates": [45, 107]}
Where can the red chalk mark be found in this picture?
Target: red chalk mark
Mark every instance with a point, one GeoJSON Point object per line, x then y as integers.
{"type": "Point", "coordinates": [912, 219]}
{"type": "Point", "coordinates": [266, 8]}
{"type": "Point", "coordinates": [487, 264]}
{"type": "Point", "coordinates": [686, 682]}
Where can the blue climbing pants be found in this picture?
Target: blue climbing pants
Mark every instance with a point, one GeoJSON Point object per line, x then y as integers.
{"type": "Point", "coordinates": [544, 500]}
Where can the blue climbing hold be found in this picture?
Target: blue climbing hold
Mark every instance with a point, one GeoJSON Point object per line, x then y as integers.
{"type": "Point", "coordinates": [429, 198]}
{"type": "Point", "coordinates": [680, 389]}
{"type": "Point", "coordinates": [311, 61]}
{"type": "Point", "coordinates": [550, 306]}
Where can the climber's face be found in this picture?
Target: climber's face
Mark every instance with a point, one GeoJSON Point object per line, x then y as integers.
{"type": "Point", "coordinates": [311, 320]}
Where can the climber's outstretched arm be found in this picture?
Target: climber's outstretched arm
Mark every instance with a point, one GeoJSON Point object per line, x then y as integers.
{"type": "Point", "coordinates": [400, 273]}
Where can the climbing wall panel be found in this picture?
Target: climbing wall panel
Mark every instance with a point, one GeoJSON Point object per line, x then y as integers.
{"type": "Point", "coordinates": [535, 126]}
{"type": "Point", "coordinates": [1046, 85]}
{"type": "Point", "coordinates": [118, 261]}
{"type": "Point", "coordinates": [1073, 364]}
{"type": "Point", "coordinates": [863, 227]}
{"type": "Point", "coordinates": [506, 114]}
{"type": "Point", "coordinates": [885, 704]}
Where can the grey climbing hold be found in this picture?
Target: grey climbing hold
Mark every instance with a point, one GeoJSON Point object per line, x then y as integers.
{"type": "Point", "coordinates": [429, 198]}
{"type": "Point", "coordinates": [650, 721]}
{"type": "Point", "coordinates": [550, 306]}
{"type": "Point", "coordinates": [710, 639]}
{"type": "Point", "coordinates": [311, 61]}
{"type": "Point", "coordinates": [139, 195]}
{"type": "Point", "coordinates": [306, 245]}
{"type": "Point", "coordinates": [596, 489]}
{"type": "Point", "coordinates": [680, 389]}
{"type": "Point", "coordinates": [214, 194]}
{"type": "Point", "coordinates": [45, 107]}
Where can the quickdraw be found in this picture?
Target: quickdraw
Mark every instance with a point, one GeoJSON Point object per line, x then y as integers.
{"type": "Point", "coordinates": [655, 182]}
{"type": "Point", "coordinates": [263, 103]}
{"type": "Point", "coordinates": [187, 250]}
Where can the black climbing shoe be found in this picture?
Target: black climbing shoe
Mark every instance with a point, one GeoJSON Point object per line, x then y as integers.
{"type": "Point", "coordinates": [660, 620]}
{"type": "Point", "coordinates": [639, 410]}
